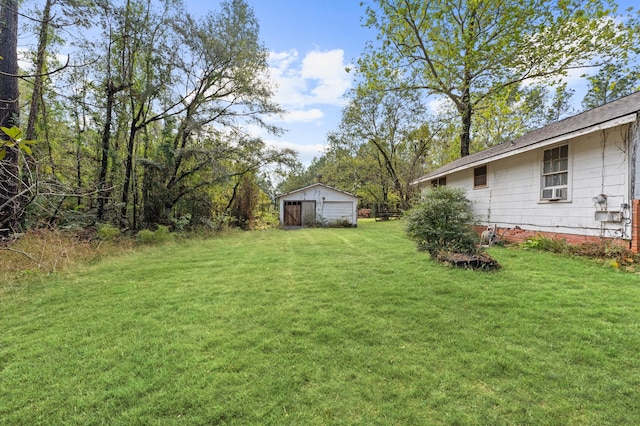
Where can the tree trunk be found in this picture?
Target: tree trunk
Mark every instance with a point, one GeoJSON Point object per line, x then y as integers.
{"type": "Point", "coordinates": [43, 40]}
{"type": "Point", "coordinates": [128, 173]}
{"type": "Point", "coordinates": [465, 134]}
{"type": "Point", "coordinates": [137, 123]}
{"type": "Point", "coordinates": [9, 113]}
{"type": "Point", "coordinates": [465, 109]}
{"type": "Point", "coordinates": [106, 138]}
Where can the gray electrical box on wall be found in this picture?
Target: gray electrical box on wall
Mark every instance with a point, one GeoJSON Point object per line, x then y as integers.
{"type": "Point", "coordinates": [608, 216]}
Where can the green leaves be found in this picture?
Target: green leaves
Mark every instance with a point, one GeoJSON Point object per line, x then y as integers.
{"type": "Point", "coordinates": [443, 222]}
{"type": "Point", "coordinates": [472, 50]}
{"type": "Point", "coordinates": [14, 135]}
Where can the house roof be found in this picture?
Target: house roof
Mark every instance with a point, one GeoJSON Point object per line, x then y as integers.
{"type": "Point", "coordinates": [317, 184]}
{"type": "Point", "coordinates": [623, 110]}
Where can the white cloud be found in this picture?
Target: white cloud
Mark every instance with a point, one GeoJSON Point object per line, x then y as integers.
{"type": "Point", "coordinates": [328, 69]}
{"type": "Point", "coordinates": [311, 88]}
{"type": "Point", "coordinates": [436, 104]}
{"type": "Point", "coordinates": [283, 60]}
{"type": "Point", "coordinates": [320, 78]}
{"type": "Point", "coordinates": [303, 116]}
{"type": "Point", "coordinates": [254, 130]}
{"type": "Point", "coordinates": [306, 153]}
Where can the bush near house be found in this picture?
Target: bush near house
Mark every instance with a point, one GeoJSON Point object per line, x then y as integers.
{"type": "Point", "coordinates": [443, 226]}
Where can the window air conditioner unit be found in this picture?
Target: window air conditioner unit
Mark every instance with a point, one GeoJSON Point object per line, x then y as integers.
{"type": "Point", "coordinates": [554, 194]}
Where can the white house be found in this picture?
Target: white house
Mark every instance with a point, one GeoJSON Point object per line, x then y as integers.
{"type": "Point", "coordinates": [577, 179]}
{"type": "Point", "coordinates": [318, 204]}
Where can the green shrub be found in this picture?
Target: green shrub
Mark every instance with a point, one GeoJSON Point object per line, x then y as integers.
{"type": "Point", "coordinates": [107, 232]}
{"type": "Point", "coordinates": [181, 223]}
{"type": "Point", "coordinates": [543, 243]}
{"type": "Point", "coordinates": [266, 220]}
{"type": "Point", "coordinates": [443, 222]}
{"type": "Point", "coordinates": [145, 236]}
{"type": "Point", "coordinates": [160, 235]}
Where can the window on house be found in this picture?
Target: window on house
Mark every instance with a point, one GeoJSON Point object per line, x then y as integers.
{"type": "Point", "coordinates": [480, 177]}
{"type": "Point", "coordinates": [439, 182]}
{"type": "Point", "coordinates": [555, 173]}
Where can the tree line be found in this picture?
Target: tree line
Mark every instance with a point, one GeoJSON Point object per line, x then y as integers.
{"type": "Point", "coordinates": [135, 113]}
{"type": "Point", "coordinates": [140, 114]}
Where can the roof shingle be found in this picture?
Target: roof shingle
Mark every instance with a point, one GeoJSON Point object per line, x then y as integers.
{"type": "Point", "coordinates": [619, 108]}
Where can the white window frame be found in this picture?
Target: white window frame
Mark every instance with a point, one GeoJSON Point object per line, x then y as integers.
{"type": "Point", "coordinates": [554, 187]}
{"type": "Point", "coordinates": [485, 175]}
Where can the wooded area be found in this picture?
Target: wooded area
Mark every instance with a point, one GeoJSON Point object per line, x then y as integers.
{"type": "Point", "coordinates": [142, 121]}
{"type": "Point", "coordinates": [134, 113]}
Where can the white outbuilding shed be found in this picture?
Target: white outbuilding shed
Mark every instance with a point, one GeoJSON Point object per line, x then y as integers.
{"type": "Point", "coordinates": [318, 204]}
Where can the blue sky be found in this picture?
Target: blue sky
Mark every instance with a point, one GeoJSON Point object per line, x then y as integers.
{"type": "Point", "coordinates": [311, 42]}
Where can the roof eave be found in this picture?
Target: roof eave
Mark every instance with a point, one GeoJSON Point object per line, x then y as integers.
{"type": "Point", "coordinates": [629, 118]}
{"type": "Point", "coordinates": [304, 188]}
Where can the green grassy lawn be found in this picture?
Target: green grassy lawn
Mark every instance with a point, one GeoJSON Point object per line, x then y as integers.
{"type": "Point", "coordinates": [321, 326]}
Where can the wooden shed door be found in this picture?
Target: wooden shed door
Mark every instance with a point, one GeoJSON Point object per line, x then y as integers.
{"type": "Point", "coordinates": [292, 213]}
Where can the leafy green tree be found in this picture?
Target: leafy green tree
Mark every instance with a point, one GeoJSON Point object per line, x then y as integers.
{"type": "Point", "coordinates": [391, 125]}
{"type": "Point", "coordinates": [146, 66]}
{"type": "Point", "coordinates": [518, 110]}
{"type": "Point", "coordinates": [171, 125]}
{"type": "Point", "coordinates": [508, 115]}
{"type": "Point", "coordinates": [469, 51]}
{"type": "Point", "coordinates": [297, 176]}
{"type": "Point", "coordinates": [50, 171]}
{"type": "Point", "coordinates": [324, 169]}
{"type": "Point", "coordinates": [611, 82]}
{"type": "Point", "coordinates": [561, 105]}
{"type": "Point", "coordinates": [50, 20]}
{"type": "Point", "coordinates": [223, 89]}
{"type": "Point", "coordinates": [243, 206]}
{"type": "Point", "coordinates": [361, 171]}
{"type": "Point", "coordinates": [135, 132]}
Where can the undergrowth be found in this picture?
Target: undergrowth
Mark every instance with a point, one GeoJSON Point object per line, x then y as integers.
{"type": "Point", "coordinates": [46, 251]}
{"type": "Point", "coordinates": [604, 251]}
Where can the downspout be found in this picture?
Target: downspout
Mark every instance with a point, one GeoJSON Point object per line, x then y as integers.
{"type": "Point", "coordinates": [603, 170]}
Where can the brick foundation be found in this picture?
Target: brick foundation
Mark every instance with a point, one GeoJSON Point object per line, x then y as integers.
{"type": "Point", "coordinates": [635, 226]}
{"type": "Point", "coordinates": [516, 235]}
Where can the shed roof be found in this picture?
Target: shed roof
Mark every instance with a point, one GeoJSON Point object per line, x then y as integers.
{"type": "Point", "coordinates": [317, 184]}
{"type": "Point", "coordinates": [623, 110]}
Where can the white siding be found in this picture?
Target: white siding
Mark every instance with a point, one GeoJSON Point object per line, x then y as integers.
{"type": "Point", "coordinates": [598, 163]}
{"type": "Point", "coordinates": [331, 205]}
{"type": "Point", "coordinates": [337, 211]}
